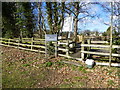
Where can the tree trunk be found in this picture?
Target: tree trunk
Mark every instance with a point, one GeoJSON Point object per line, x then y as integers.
{"type": "Point", "coordinates": [75, 29]}
{"type": "Point", "coordinates": [76, 20]}
{"type": "Point", "coordinates": [39, 19]}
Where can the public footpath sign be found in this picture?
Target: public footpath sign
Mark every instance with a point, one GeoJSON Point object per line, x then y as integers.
{"type": "Point", "coordinates": [51, 37]}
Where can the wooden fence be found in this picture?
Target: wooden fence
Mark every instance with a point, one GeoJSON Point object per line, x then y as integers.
{"type": "Point", "coordinates": [99, 45]}
{"type": "Point", "coordinates": [32, 43]}
{"type": "Point", "coordinates": [96, 46]}
{"type": "Point", "coordinates": [38, 45]}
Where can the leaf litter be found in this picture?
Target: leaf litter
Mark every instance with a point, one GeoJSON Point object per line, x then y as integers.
{"type": "Point", "coordinates": [25, 69]}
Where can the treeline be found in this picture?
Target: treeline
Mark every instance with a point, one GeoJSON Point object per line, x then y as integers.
{"type": "Point", "coordinates": [17, 19]}
{"type": "Point", "coordinates": [23, 19]}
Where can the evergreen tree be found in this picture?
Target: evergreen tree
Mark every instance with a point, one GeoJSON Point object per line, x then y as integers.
{"type": "Point", "coordinates": [17, 19]}
{"type": "Point", "coordinates": [8, 19]}
{"type": "Point", "coordinates": [20, 19]}
{"type": "Point", "coordinates": [25, 19]}
{"type": "Point", "coordinates": [28, 15]}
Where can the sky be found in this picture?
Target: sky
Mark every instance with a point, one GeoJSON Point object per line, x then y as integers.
{"type": "Point", "coordinates": [94, 23]}
{"type": "Point", "coordinates": [98, 22]}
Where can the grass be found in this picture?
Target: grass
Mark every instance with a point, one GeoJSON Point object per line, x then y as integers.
{"type": "Point", "coordinates": [59, 64]}
{"type": "Point", "coordinates": [73, 67]}
{"type": "Point", "coordinates": [28, 71]}
{"type": "Point", "coordinates": [21, 77]}
{"type": "Point", "coordinates": [77, 78]}
{"type": "Point", "coordinates": [48, 64]}
{"type": "Point", "coordinates": [20, 73]}
{"type": "Point", "coordinates": [117, 74]}
{"type": "Point", "coordinates": [66, 80]}
{"type": "Point", "coordinates": [17, 79]}
{"type": "Point", "coordinates": [72, 84]}
{"type": "Point", "coordinates": [25, 65]}
{"type": "Point", "coordinates": [81, 77]}
{"type": "Point", "coordinates": [111, 82]}
{"type": "Point", "coordinates": [83, 69]}
{"type": "Point", "coordinates": [65, 86]}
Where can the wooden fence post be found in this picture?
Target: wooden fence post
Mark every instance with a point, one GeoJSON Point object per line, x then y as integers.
{"type": "Point", "coordinates": [1, 40]}
{"type": "Point", "coordinates": [67, 47]}
{"type": "Point", "coordinates": [89, 41]}
{"type": "Point", "coordinates": [18, 42]}
{"type": "Point", "coordinates": [82, 49]}
{"type": "Point", "coordinates": [8, 41]}
{"type": "Point", "coordinates": [56, 49]}
{"type": "Point", "coordinates": [31, 43]}
{"type": "Point", "coordinates": [45, 50]}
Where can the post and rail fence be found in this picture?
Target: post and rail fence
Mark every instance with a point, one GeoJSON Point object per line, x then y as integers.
{"type": "Point", "coordinates": [38, 45]}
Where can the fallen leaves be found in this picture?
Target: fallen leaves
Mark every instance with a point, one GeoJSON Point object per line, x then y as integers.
{"type": "Point", "coordinates": [30, 68]}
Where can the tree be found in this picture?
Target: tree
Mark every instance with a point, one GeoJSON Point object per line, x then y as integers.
{"type": "Point", "coordinates": [25, 19]}
{"type": "Point", "coordinates": [76, 8]}
{"type": "Point", "coordinates": [76, 13]}
{"type": "Point", "coordinates": [17, 19]}
{"type": "Point", "coordinates": [20, 19]}
{"type": "Point", "coordinates": [28, 14]}
{"type": "Point", "coordinates": [86, 32]}
{"type": "Point", "coordinates": [40, 24]}
{"type": "Point", "coordinates": [55, 15]}
{"type": "Point", "coordinates": [50, 15]}
{"type": "Point", "coordinates": [8, 18]}
{"type": "Point", "coordinates": [116, 14]}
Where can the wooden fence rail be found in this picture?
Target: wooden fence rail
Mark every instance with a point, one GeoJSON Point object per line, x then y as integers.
{"type": "Point", "coordinates": [16, 43]}
{"type": "Point", "coordinates": [100, 53]}
{"type": "Point", "coordinates": [100, 47]}
{"type": "Point", "coordinates": [101, 42]}
{"type": "Point", "coordinates": [30, 44]}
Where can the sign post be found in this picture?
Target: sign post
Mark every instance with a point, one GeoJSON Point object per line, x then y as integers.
{"type": "Point", "coordinates": [50, 37]}
{"type": "Point", "coordinates": [56, 48]}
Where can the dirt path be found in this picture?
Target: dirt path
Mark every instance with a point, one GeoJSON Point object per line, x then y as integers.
{"type": "Point", "coordinates": [24, 69]}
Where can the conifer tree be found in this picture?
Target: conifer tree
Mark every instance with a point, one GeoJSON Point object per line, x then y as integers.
{"type": "Point", "coordinates": [17, 19]}
{"type": "Point", "coordinates": [8, 19]}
